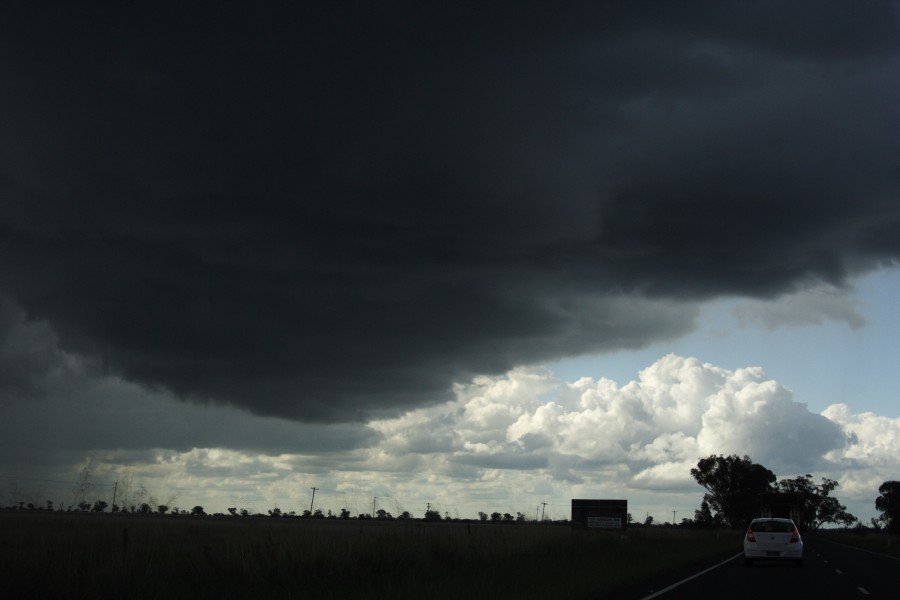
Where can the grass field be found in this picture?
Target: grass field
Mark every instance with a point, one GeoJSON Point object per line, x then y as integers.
{"type": "Point", "coordinates": [874, 541]}
{"type": "Point", "coordinates": [63, 555]}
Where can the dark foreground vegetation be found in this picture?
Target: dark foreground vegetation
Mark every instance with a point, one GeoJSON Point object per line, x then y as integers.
{"type": "Point", "coordinates": [83, 555]}
{"type": "Point", "coordinates": [873, 540]}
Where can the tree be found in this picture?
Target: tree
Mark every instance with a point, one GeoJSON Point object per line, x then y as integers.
{"type": "Point", "coordinates": [888, 504]}
{"type": "Point", "coordinates": [162, 509]}
{"type": "Point", "coordinates": [734, 485]}
{"type": "Point", "coordinates": [648, 521]}
{"type": "Point", "coordinates": [482, 516]}
{"type": "Point", "coordinates": [345, 514]}
{"type": "Point", "coordinates": [232, 511]}
{"type": "Point", "coordinates": [496, 517]}
{"type": "Point", "coordinates": [432, 515]}
{"type": "Point", "coordinates": [703, 517]}
{"type": "Point", "coordinates": [817, 507]}
{"type": "Point", "coordinates": [198, 511]}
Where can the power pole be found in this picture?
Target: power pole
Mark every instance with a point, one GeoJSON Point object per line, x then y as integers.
{"type": "Point", "coordinates": [542, 510]}
{"type": "Point", "coordinates": [536, 510]}
{"type": "Point", "coordinates": [115, 489]}
{"type": "Point", "coordinates": [673, 516]}
{"type": "Point", "coordinates": [373, 506]}
{"type": "Point", "coordinates": [311, 501]}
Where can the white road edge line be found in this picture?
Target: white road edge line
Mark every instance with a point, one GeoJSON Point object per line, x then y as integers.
{"type": "Point", "coordinates": [694, 576]}
{"type": "Point", "coordinates": [864, 591]}
{"type": "Point", "coordinates": [838, 571]}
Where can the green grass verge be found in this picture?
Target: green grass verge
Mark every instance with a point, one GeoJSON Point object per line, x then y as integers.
{"type": "Point", "coordinates": [59, 555]}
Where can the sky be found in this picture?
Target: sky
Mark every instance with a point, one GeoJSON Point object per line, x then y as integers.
{"type": "Point", "coordinates": [475, 256]}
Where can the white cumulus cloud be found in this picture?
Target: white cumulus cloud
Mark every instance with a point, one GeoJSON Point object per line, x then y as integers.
{"type": "Point", "coordinates": [650, 431]}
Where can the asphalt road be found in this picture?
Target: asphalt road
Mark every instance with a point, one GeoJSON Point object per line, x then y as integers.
{"type": "Point", "coordinates": [830, 570]}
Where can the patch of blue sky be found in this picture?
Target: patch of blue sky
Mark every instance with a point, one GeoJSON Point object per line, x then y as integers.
{"type": "Point", "coordinates": [823, 363]}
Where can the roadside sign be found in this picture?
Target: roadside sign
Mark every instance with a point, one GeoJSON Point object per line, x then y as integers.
{"type": "Point", "coordinates": [599, 513]}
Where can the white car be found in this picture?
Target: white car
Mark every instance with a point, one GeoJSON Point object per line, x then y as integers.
{"type": "Point", "coordinates": [773, 539]}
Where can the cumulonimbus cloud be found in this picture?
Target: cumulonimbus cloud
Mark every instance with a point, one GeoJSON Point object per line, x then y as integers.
{"type": "Point", "coordinates": [811, 306]}
{"type": "Point", "coordinates": [358, 206]}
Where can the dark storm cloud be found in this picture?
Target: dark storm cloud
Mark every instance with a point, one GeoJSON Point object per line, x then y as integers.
{"type": "Point", "coordinates": [56, 407]}
{"type": "Point", "coordinates": [325, 211]}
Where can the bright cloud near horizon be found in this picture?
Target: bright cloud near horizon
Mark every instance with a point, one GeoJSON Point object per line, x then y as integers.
{"type": "Point", "coordinates": [479, 255]}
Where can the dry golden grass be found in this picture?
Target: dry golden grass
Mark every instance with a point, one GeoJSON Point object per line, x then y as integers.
{"type": "Point", "coordinates": [59, 555]}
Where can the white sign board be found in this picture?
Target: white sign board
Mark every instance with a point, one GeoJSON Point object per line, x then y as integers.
{"type": "Point", "coordinates": [604, 522]}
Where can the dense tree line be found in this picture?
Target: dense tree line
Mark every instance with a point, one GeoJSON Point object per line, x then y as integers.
{"type": "Point", "coordinates": [736, 488]}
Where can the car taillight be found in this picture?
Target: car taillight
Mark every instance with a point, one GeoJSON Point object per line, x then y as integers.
{"type": "Point", "coordinates": [751, 537]}
{"type": "Point", "coordinates": [795, 537]}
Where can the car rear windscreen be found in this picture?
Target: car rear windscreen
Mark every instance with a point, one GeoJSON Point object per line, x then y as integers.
{"type": "Point", "coordinates": [773, 527]}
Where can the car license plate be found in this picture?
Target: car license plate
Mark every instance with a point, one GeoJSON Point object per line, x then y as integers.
{"type": "Point", "coordinates": [773, 553]}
